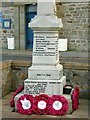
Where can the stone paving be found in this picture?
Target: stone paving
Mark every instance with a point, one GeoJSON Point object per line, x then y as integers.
{"type": "Point", "coordinates": [6, 111]}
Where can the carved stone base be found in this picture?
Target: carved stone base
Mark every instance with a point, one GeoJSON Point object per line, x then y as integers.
{"type": "Point", "coordinates": [49, 87]}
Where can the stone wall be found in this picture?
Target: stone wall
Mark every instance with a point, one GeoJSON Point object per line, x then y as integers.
{"type": "Point", "coordinates": [78, 78]}
{"type": "Point", "coordinates": [15, 72]}
{"type": "Point", "coordinates": [6, 77]}
{"type": "Point", "coordinates": [7, 13]}
{"type": "Point", "coordinates": [76, 74]}
{"type": "Point", "coordinates": [75, 17]}
{"type": "Point", "coordinates": [19, 74]}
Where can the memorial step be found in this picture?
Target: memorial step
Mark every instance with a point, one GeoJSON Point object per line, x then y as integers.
{"type": "Point", "coordinates": [47, 72]}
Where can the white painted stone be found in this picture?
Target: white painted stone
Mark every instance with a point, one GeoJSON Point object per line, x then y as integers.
{"type": "Point", "coordinates": [45, 72]}
{"type": "Point", "coordinates": [68, 98]}
{"type": "Point", "coordinates": [43, 23]}
{"type": "Point", "coordinates": [49, 87]}
{"type": "Point", "coordinates": [45, 50]}
{"type": "Point", "coordinates": [45, 20]}
{"type": "Point", "coordinates": [45, 7]}
{"type": "Point", "coordinates": [17, 98]}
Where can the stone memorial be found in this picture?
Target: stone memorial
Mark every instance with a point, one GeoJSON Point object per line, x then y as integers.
{"type": "Point", "coordinates": [46, 72]}
{"type": "Point", "coordinates": [45, 76]}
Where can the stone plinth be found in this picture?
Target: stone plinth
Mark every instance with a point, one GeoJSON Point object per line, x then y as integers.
{"type": "Point", "coordinates": [37, 72]}
{"type": "Point", "coordinates": [49, 87]}
{"type": "Point", "coordinates": [45, 76]}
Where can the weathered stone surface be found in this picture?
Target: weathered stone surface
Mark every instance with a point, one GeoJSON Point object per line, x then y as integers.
{"type": "Point", "coordinates": [79, 14]}
{"type": "Point", "coordinates": [19, 74]}
{"type": "Point", "coordinates": [6, 78]}
{"type": "Point", "coordinates": [68, 98]}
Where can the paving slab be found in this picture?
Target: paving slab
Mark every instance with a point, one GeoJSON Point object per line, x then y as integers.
{"type": "Point", "coordinates": [13, 115]}
{"type": "Point", "coordinates": [43, 116]}
{"type": "Point", "coordinates": [75, 116]}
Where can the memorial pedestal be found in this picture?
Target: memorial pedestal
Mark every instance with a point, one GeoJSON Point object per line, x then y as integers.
{"type": "Point", "coordinates": [49, 87]}
{"type": "Point", "coordinates": [45, 76]}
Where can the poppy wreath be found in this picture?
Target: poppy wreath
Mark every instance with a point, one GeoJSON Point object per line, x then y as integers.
{"type": "Point", "coordinates": [57, 105]}
{"type": "Point", "coordinates": [75, 99]}
{"type": "Point", "coordinates": [12, 104]}
{"type": "Point", "coordinates": [41, 102]}
{"type": "Point", "coordinates": [25, 104]}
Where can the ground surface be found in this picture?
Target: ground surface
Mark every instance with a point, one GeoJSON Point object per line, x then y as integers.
{"type": "Point", "coordinates": [6, 111]}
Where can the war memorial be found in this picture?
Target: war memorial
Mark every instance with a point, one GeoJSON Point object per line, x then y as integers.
{"type": "Point", "coordinates": [45, 91]}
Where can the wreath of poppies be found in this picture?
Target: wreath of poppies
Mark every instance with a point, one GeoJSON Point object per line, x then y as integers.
{"type": "Point", "coordinates": [75, 99]}
{"type": "Point", "coordinates": [41, 102]}
{"type": "Point", "coordinates": [57, 105]}
{"type": "Point", "coordinates": [12, 104]}
{"type": "Point", "coordinates": [25, 104]}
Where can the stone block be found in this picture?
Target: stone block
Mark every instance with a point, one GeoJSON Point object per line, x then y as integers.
{"type": "Point", "coordinates": [17, 98]}
{"type": "Point", "coordinates": [41, 9]}
{"type": "Point", "coordinates": [49, 87]}
{"type": "Point", "coordinates": [72, 8]}
{"type": "Point", "coordinates": [45, 72]}
{"type": "Point", "coordinates": [68, 98]}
